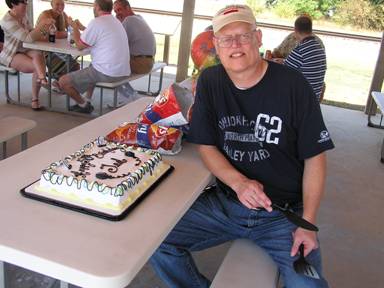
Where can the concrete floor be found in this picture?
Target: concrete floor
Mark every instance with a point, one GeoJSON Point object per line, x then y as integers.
{"type": "Point", "coordinates": [350, 218]}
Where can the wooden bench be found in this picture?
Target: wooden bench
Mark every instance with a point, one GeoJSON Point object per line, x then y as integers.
{"type": "Point", "coordinates": [11, 127]}
{"type": "Point", "coordinates": [7, 71]}
{"type": "Point", "coordinates": [115, 85]}
{"type": "Point", "coordinates": [246, 265]}
{"type": "Point", "coordinates": [378, 97]}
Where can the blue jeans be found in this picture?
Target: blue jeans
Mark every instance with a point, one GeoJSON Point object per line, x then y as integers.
{"type": "Point", "coordinates": [216, 218]}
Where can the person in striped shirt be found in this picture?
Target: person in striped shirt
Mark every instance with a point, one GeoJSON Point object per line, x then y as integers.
{"type": "Point", "coordinates": [309, 56]}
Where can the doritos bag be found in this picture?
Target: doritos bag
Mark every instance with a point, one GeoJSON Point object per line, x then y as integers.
{"type": "Point", "coordinates": [166, 140]}
{"type": "Point", "coordinates": [170, 108]}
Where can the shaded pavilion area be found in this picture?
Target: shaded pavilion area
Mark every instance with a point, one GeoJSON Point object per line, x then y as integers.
{"type": "Point", "coordinates": [350, 218]}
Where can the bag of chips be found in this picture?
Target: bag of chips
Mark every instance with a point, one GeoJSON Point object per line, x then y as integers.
{"type": "Point", "coordinates": [170, 108]}
{"type": "Point", "coordinates": [165, 140]}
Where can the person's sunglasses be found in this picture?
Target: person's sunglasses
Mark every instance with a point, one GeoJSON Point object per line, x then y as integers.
{"type": "Point", "coordinates": [227, 41]}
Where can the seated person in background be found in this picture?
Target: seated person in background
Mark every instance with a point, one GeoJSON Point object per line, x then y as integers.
{"type": "Point", "coordinates": [256, 125]}
{"type": "Point", "coordinates": [58, 61]}
{"type": "Point", "coordinates": [288, 44]}
{"type": "Point", "coordinates": [108, 44]}
{"type": "Point", "coordinates": [142, 43]}
{"type": "Point", "coordinates": [16, 31]}
{"type": "Point", "coordinates": [61, 18]}
{"type": "Point", "coordinates": [309, 56]}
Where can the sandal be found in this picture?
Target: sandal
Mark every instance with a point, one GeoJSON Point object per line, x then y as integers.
{"type": "Point", "coordinates": [35, 105]}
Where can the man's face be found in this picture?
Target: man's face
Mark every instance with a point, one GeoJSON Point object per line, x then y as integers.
{"type": "Point", "coordinates": [58, 6]}
{"type": "Point", "coordinates": [120, 11]}
{"type": "Point", "coordinates": [237, 45]}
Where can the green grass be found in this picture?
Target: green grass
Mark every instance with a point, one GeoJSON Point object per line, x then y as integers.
{"type": "Point", "coordinates": [347, 82]}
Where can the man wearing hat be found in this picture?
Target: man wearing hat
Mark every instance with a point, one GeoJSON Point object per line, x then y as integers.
{"type": "Point", "coordinates": [260, 131]}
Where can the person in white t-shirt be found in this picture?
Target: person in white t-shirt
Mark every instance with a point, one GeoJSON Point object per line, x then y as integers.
{"type": "Point", "coordinates": [108, 44]}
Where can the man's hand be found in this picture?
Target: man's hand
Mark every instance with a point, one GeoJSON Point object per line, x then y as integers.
{"type": "Point", "coordinates": [308, 238]}
{"type": "Point", "coordinates": [75, 25]}
{"type": "Point", "coordinates": [70, 20]}
{"type": "Point", "coordinates": [79, 25]}
{"type": "Point", "coordinates": [251, 194]}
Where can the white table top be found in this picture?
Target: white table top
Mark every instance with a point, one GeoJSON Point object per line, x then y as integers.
{"type": "Point", "coordinates": [60, 46]}
{"type": "Point", "coordinates": [379, 99]}
{"type": "Point", "coordinates": [82, 249]}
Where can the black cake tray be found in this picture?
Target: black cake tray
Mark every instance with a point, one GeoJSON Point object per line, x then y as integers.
{"type": "Point", "coordinates": [30, 192]}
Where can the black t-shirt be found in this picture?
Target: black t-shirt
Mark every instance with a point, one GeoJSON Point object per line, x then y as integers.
{"type": "Point", "coordinates": [265, 131]}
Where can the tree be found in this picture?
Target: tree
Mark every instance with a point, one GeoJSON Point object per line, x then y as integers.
{"type": "Point", "coordinates": [316, 9]}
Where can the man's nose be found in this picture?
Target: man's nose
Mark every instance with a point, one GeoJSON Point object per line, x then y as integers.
{"type": "Point", "coordinates": [236, 42]}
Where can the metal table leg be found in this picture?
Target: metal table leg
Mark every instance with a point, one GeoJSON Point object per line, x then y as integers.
{"type": "Point", "coordinates": [2, 275]}
{"type": "Point", "coordinates": [24, 141]}
{"type": "Point", "coordinates": [49, 80]}
{"type": "Point", "coordinates": [68, 70]}
{"type": "Point", "coordinates": [6, 78]}
{"type": "Point", "coordinates": [18, 87]}
{"type": "Point", "coordinates": [4, 150]}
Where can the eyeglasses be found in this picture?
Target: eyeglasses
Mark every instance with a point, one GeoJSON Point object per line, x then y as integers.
{"type": "Point", "coordinates": [227, 41]}
{"type": "Point", "coordinates": [23, 2]}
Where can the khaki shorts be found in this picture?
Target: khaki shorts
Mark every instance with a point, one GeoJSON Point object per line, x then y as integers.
{"type": "Point", "coordinates": [87, 78]}
{"type": "Point", "coordinates": [141, 64]}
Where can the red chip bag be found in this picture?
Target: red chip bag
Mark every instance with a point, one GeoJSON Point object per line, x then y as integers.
{"type": "Point", "coordinates": [166, 140]}
{"type": "Point", "coordinates": [170, 108]}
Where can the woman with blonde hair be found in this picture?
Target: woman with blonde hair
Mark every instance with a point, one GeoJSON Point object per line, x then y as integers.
{"type": "Point", "coordinates": [16, 31]}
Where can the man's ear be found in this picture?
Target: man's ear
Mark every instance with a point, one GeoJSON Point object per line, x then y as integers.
{"type": "Point", "coordinates": [217, 48]}
{"type": "Point", "coordinates": [214, 40]}
{"type": "Point", "coordinates": [259, 37]}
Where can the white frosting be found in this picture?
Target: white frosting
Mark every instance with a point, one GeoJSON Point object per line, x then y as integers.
{"type": "Point", "coordinates": [75, 178]}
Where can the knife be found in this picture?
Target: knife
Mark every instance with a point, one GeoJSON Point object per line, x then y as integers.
{"type": "Point", "coordinates": [295, 219]}
{"type": "Point", "coordinates": [288, 213]}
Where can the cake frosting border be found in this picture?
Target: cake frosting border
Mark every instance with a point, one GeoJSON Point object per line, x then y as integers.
{"type": "Point", "coordinates": [49, 174]}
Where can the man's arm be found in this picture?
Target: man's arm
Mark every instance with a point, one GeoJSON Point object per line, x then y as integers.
{"type": "Point", "coordinates": [285, 47]}
{"type": "Point", "coordinates": [76, 34]}
{"type": "Point", "coordinates": [250, 192]}
{"type": "Point", "coordinates": [313, 189]}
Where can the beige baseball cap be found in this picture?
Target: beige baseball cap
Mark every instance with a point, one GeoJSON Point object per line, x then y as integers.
{"type": "Point", "coordinates": [230, 14]}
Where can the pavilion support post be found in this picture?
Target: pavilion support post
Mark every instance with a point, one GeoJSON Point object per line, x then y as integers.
{"type": "Point", "coordinates": [185, 40]}
{"type": "Point", "coordinates": [377, 80]}
{"type": "Point", "coordinates": [30, 12]}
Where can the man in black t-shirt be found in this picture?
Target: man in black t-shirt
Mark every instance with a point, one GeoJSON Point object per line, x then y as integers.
{"type": "Point", "coordinates": [261, 133]}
